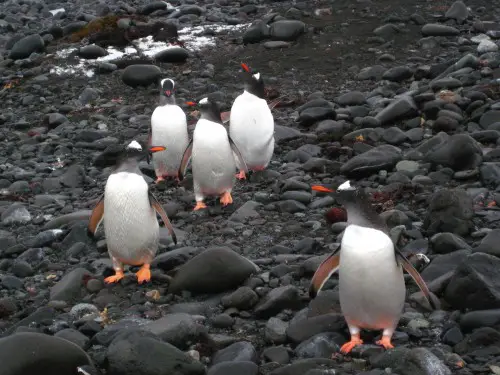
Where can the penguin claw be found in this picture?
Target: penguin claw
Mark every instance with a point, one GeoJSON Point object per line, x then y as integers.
{"type": "Point", "coordinates": [385, 342]}
{"type": "Point", "coordinates": [226, 199]}
{"type": "Point", "coordinates": [144, 274]}
{"type": "Point", "coordinates": [115, 278]}
{"type": "Point", "coordinates": [199, 206]}
{"type": "Point", "coordinates": [350, 345]}
{"type": "Point", "coordinates": [241, 176]}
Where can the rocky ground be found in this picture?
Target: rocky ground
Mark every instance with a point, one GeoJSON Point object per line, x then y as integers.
{"type": "Point", "coordinates": [402, 97]}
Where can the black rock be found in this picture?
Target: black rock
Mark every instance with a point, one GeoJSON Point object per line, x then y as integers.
{"type": "Point", "coordinates": [136, 352]}
{"type": "Point", "coordinates": [30, 353]}
{"type": "Point", "coordinates": [141, 75]}
{"type": "Point", "coordinates": [24, 47]}
{"type": "Point", "coordinates": [214, 270]}
{"type": "Point", "coordinates": [449, 210]}
{"type": "Point", "coordinates": [92, 52]}
{"type": "Point", "coordinates": [172, 55]}
{"type": "Point", "coordinates": [475, 284]}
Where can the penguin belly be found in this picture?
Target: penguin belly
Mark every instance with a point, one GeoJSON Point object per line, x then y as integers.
{"type": "Point", "coordinates": [169, 129]}
{"type": "Point", "coordinates": [212, 160]}
{"type": "Point", "coordinates": [251, 127]}
{"type": "Point", "coordinates": [371, 282]}
{"type": "Point", "coordinates": [130, 224]}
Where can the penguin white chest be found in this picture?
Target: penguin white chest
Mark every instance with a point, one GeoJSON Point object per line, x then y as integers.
{"type": "Point", "coordinates": [251, 126]}
{"type": "Point", "coordinates": [169, 129]}
{"type": "Point", "coordinates": [130, 224]}
{"type": "Point", "coordinates": [212, 159]}
{"type": "Point", "coordinates": [371, 283]}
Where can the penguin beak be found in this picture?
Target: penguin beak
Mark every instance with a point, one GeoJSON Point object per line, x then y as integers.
{"type": "Point", "coordinates": [322, 189]}
{"type": "Point", "coordinates": [154, 149]}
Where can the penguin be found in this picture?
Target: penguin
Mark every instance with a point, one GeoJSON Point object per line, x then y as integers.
{"type": "Point", "coordinates": [128, 211]}
{"type": "Point", "coordinates": [212, 153]}
{"type": "Point", "coordinates": [371, 283]}
{"type": "Point", "coordinates": [168, 129]}
{"type": "Point", "coordinates": [251, 124]}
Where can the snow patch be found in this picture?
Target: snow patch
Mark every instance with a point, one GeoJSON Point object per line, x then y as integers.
{"type": "Point", "coordinates": [191, 36]}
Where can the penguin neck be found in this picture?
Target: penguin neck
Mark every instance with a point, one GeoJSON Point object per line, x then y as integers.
{"type": "Point", "coordinates": [165, 100]}
{"type": "Point", "coordinates": [361, 213]}
{"type": "Point", "coordinates": [252, 90]}
{"type": "Point", "coordinates": [130, 164]}
{"type": "Point", "coordinates": [211, 116]}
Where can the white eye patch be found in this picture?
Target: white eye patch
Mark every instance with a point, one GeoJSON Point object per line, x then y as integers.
{"type": "Point", "coordinates": [345, 186]}
{"type": "Point", "coordinates": [256, 76]}
{"type": "Point", "coordinates": [204, 101]}
{"type": "Point", "coordinates": [135, 145]}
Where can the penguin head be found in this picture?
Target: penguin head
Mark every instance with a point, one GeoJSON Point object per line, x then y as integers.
{"type": "Point", "coordinates": [344, 194]}
{"type": "Point", "coordinates": [167, 87]}
{"type": "Point", "coordinates": [133, 150]}
{"type": "Point", "coordinates": [87, 370]}
{"type": "Point", "coordinates": [209, 109]}
{"type": "Point", "coordinates": [254, 84]}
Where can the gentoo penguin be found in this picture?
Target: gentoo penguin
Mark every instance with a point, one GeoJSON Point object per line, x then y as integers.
{"type": "Point", "coordinates": [251, 124]}
{"type": "Point", "coordinates": [371, 284]}
{"type": "Point", "coordinates": [168, 129]}
{"type": "Point", "coordinates": [128, 210]}
{"type": "Point", "coordinates": [212, 153]}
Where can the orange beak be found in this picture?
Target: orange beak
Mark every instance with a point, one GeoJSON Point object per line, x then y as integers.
{"type": "Point", "coordinates": [245, 67]}
{"type": "Point", "coordinates": [191, 104]}
{"type": "Point", "coordinates": [157, 148]}
{"type": "Point", "coordinates": [322, 189]}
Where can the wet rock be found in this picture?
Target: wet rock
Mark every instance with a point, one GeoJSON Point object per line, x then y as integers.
{"type": "Point", "coordinates": [214, 270]}
{"type": "Point", "coordinates": [449, 210]}
{"type": "Point", "coordinates": [24, 47]}
{"type": "Point", "coordinates": [141, 75]}
{"type": "Point", "coordinates": [133, 353]}
{"type": "Point", "coordinates": [372, 161]}
{"type": "Point", "coordinates": [475, 283]}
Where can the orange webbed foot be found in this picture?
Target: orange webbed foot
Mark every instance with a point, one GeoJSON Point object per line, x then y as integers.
{"type": "Point", "coordinates": [199, 205]}
{"type": "Point", "coordinates": [350, 345]}
{"type": "Point", "coordinates": [241, 175]}
{"type": "Point", "coordinates": [226, 199]}
{"type": "Point", "coordinates": [115, 278]}
{"type": "Point", "coordinates": [144, 274]}
{"type": "Point", "coordinates": [385, 342]}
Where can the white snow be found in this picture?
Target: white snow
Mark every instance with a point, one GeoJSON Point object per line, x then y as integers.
{"type": "Point", "coordinates": [191, 36]}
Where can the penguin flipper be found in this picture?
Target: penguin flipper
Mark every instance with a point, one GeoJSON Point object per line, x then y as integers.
{"type": "Point", "coordinates": [238, 154]}
{"type": "Point", "coordinates": [96, 217]}
{"type": "Point", "coordinates": [415, 276]}
{"type": "Point", "coordinates": [185, 160]}
{"type": "Point", "coordinates": [325, 270]}
{"type": "Point", "coordinates": [158, 207]}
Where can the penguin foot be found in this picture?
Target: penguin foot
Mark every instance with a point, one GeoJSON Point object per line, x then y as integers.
{"type": "Point", "coordinates": [226, 199]}
{"type": "Point", "coordinates": [199, 205]}
{"type": "Point", "coordinates": [350, 345]}
{"type": "Point", "coordinates": [159, 179]}
{"type": "Point", "coordinates": [241, 175]}
{"type": "Point", "coordinates": [144, 274]}
{"type": "Point", "coordinates": [115, 278]}
{"type": "Point", "coordinates": [385, 342]}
